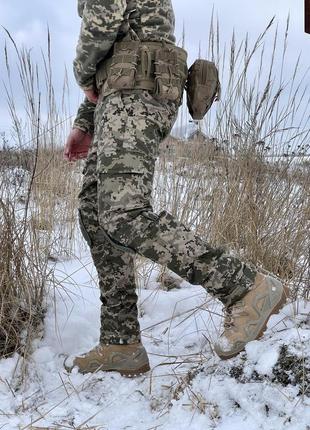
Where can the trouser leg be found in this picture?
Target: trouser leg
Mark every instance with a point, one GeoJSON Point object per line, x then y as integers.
{"type": "Point", "coordinates": [129, 130]}
{"type": "Point", "coordinates": [115, 267]}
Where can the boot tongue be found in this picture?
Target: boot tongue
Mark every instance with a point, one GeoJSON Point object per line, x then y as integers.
{"type": "Point", "coordinates": [238, 309]}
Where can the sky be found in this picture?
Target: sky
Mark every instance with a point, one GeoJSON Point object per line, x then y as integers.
{"type": "Point", "coordinates": [28, 21]}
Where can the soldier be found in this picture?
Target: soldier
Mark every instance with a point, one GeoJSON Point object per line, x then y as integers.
{"type": "Point", "coordinates": [133, 77]}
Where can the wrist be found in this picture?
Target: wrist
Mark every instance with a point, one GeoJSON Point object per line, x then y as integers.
{"type": "Point", "coordinates": [80, 128]}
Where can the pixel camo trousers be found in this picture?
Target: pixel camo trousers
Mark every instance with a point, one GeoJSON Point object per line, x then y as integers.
{"type": "Point", "coordinates": [129, 129]}
{"type": "Point", "coordinates": [119, 315]}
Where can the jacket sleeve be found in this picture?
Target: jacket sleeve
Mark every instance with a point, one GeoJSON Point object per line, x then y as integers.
{"type": "Point", "coordinates": [101, 21]}
{"type": "Point", "coordinates": [85, 117]}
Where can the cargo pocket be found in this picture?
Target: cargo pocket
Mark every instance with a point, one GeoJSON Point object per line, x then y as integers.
{"type": "Point", "coordinates": [123, 192]}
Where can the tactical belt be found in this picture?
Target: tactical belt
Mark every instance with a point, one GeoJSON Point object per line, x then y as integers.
{"type": "Point", "coordinates": [158, 67]}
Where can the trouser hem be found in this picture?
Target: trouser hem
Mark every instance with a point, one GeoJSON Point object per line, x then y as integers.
{"type": "Point", "coordinates": [119, 340]}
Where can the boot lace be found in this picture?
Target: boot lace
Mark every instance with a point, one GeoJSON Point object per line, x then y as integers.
{"type": "Point", "coordinates": [232, 313]}
{"type": "Point", "coordinates": [99, 350]}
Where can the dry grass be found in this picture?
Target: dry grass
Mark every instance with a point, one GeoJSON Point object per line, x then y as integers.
{"type": "Point", "coordinates": [36, 221]}
{"type": "Point", "coordinates": [21, 280]}
{"type": "Point", "coordinates": [55, 192]}
{"type": "Point", "coordinates": [246, 185]}
{"type": "Point", "coordinates": [37, 201]}
{"type": "Point", "coordinates": [257, 208]}
{"type": "Point", "coordinates": [242, 187]}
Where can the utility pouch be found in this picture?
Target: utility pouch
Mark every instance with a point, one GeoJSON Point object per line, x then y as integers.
{"type": "Point", "coordinates": [123, 66]}
{"type": "Point", "coordinates": [169, 79]}
{"type": "Point", "coordinates": [203, 88]}
{"type": "Point", "coordinates": [156, 67]}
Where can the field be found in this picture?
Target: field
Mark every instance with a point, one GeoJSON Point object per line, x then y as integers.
{"type": "Point", "coordinates": [242, 180]}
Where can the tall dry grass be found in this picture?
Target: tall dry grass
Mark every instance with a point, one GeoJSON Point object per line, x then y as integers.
{"type": "Point", "coordinates": [244, 181]}
{"type": "Point", "coordinates": [243, 186]}
{"type": "Point", "coordinates": [38, 193]}
{"type": "Point", "coordinates": [39, 137]}
{"type": "Point", "coordinates": [21, 281]}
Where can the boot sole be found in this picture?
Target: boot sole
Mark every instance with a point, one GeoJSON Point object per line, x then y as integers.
{"type": "Point", "coordinates": [136, 372]}
{"type": "Point", "coordinates": [282, 302]}
{"type": "Point", "coordinates": [132, 373]}
{"type": "Point", "coordinates": [129, 373]}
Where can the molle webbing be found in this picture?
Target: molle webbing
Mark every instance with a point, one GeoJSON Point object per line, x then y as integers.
{"type": "Point", "coordinates": [158, 67]}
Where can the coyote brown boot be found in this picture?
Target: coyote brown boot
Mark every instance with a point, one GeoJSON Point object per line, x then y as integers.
{"type": "Point", "coordinates": [246, 320]}
{"type": "Point", "coordinates": [129, 360]}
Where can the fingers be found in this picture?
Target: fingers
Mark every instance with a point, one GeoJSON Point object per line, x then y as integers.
{"type": "Point", "coordinates": [81, 155]}
{"type": "Point", "coordinates": [66, 154]}
{"type": "Point", "coordinates": [74, 156]}
{"type": "Point", "coordinates": [77, 145]}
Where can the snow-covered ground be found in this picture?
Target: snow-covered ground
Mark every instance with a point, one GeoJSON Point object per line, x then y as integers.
{"type": "Point", "coordinates": [188, 387]}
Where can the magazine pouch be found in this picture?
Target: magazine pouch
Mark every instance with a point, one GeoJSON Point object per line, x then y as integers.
{"type": "Point", "coordinates": [123, 67]}
{"type": "Point", "coordinates": [170, 73]}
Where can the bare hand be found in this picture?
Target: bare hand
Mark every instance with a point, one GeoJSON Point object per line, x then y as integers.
{"type": "Point", "coordinates": [77, 145]}
{"type": "Point", "coordinates": [92, 95]}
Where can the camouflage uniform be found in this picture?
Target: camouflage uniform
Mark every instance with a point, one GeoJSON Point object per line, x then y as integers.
{"type": "Point", "coordinates": [84, 119]}
{"type": "Point", "coordinates": [116, 213]}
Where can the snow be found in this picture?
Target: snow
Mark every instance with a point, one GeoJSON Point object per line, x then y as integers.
{"type": "Point", "coordinates": [189, 387]}
{"type": "Point", "coordinates": [263, 357]}
{"type": "Point", "coordinates": [224, 343]}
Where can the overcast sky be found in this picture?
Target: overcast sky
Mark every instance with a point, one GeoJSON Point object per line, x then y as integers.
{"type": "Point", "coordinates": [27, 21]}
